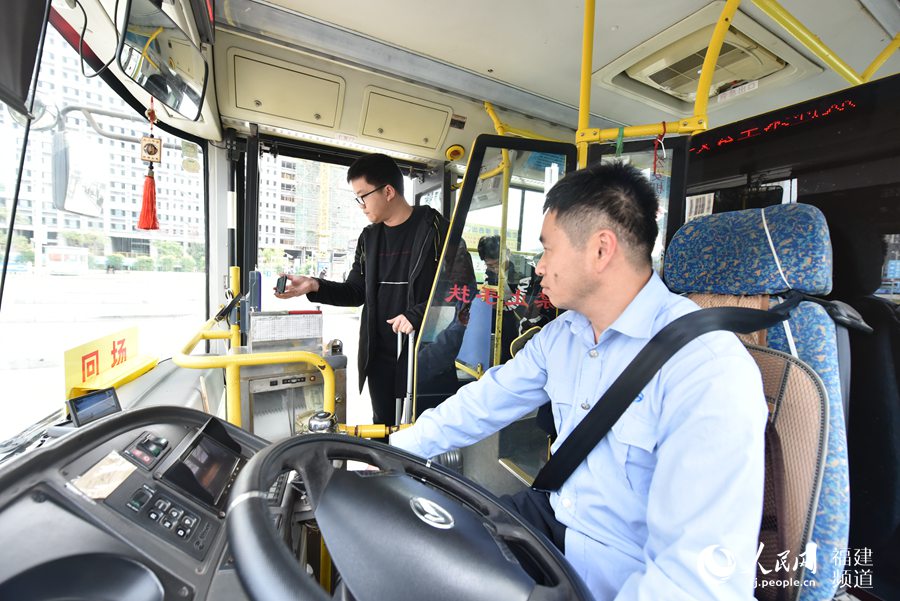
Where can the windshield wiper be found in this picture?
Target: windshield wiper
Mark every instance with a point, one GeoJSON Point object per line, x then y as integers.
{"type": "Point", "coordinates": [22, 441]}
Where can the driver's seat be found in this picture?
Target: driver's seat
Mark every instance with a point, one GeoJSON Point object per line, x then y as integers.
{"type": "Point", "coordinates": [747, 258]}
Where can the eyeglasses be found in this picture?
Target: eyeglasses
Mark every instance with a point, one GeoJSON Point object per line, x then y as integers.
{"type": "Point", "coordinates": [361, 199]}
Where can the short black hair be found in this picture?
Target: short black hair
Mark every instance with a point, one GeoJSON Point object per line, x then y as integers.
{"type": "Point", "coordinates": [378, 170]}
{"type": "Point", "coordinates": [489, 247]}
{"type": "Point", "coordinates": [614, 195]}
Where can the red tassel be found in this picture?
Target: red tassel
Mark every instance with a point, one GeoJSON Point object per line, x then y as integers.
{"type": "Point", "coordinates": [148, 219]}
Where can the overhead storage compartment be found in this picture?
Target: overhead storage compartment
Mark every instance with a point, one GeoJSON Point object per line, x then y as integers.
{"type": "Point", "coordinates": [399, 118]}
{"type": "Point", "coordinates": [270, 86]}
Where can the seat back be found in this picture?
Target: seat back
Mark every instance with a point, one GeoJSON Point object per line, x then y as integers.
{"type": "Point", "coordinates": [796, 436]}
{"type": "Point", "coordinates": [766, 252]}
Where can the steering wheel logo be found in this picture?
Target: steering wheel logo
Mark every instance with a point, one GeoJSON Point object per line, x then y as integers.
{"type": "Point", "coordinates": [431, 513]}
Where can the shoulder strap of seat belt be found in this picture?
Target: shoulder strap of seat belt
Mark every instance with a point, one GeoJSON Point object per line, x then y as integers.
{"type": "Point", "coordinates": [668, 341]}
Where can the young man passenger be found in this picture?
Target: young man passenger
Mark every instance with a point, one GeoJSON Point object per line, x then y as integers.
{"type": "Point", "coordinates": [678, 482]}
{"type": "Point", "coordinates": [393, 270]}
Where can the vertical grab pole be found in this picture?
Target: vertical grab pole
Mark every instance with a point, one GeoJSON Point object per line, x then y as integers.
{"type": "Point", "coordinates": [584, 99]}
{"type": "Point", "coordinates": [233, 370]}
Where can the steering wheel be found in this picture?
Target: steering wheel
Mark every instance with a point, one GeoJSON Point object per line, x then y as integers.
{"type": "Point", "coordinates": [406, 531]}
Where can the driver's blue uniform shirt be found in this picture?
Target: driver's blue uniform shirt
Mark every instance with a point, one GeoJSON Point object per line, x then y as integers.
{"type": "Point", "coordinates": [663, 504]}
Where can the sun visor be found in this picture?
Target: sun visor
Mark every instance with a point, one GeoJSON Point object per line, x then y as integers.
{"type": "Point", "coordinates": [20, 35]}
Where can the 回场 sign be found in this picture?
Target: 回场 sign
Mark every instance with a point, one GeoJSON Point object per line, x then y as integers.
{"type": "Point", "coordinates": [101, 362]}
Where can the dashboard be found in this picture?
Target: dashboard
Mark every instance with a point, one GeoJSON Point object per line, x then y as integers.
{"type": "Point", "coordinates": [130, 507]}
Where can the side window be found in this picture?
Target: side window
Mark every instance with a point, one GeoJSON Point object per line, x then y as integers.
{"type": "Point", "coordinates": [80, 269]}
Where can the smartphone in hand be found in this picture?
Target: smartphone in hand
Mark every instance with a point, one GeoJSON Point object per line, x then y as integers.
{"type": "Point", "coordinates": [280, 286]}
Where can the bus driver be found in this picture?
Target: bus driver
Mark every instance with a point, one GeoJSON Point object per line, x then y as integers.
{"type": "Point", "coordinates": [681, 472]}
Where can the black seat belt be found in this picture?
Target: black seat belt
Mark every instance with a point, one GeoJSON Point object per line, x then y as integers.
{"type": "Point", "coordinates": [619, 396]}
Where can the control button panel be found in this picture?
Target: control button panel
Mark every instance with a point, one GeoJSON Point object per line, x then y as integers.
{"type": "Point", "coordinates": [174, 518]}
{"type": "Point", "coordinates": [147, 450]}
{"type": "Point", "coordinates": [165, 516]}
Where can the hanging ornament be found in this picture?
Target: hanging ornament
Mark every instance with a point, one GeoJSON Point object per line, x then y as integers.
{"type": "Point", "coordinates": [657, 143]}
{"type": "Point", "coordinates": [151, 151]}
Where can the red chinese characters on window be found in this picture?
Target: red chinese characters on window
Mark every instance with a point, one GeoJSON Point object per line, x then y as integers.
{"type": "Point", "coordinates": [488, 295]}
{"type": "Point", "coordinates": [516, 300]}
{"type": "Point", "coordinates": [543, 302]}
{"type": "Point", "coordinates": [119, 352]}
{"type": "Point", "coordinates": [90, 365]}
{"type": "Point", "coordinates": [458, 293]}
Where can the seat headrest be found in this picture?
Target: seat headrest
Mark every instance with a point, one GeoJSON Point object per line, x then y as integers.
{"type": "Point", "coordinates": [756, 251]}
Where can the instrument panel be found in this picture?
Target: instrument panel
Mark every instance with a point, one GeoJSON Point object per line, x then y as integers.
{"type": "Point", "coordinates": [131, 506]}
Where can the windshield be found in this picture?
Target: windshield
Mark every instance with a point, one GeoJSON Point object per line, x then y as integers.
{"type": "Point", "coordinates": [79, 269]}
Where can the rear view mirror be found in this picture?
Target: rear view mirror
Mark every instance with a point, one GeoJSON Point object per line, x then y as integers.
{"type": "Point", "coordinates": [157, 55]}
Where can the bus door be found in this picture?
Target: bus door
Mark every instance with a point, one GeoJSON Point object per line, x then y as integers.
{"type": "Point", "coordinates": [308, 223]}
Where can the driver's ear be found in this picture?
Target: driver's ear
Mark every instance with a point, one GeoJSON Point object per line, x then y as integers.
{"type": "Point", "coordinates": [603, 244]}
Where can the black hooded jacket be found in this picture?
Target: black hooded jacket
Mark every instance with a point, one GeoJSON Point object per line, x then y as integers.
{"type": "Point", "coordinates": [361, 283]}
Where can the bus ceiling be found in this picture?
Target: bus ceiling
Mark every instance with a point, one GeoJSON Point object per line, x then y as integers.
{"type": "Point", "coordinates": [399, 77]}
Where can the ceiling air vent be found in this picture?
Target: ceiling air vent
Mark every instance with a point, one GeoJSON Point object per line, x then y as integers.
{"type": "Point", "coordinates": [675, 69]}
{"type": "Point", "coordinates": [664, 71]}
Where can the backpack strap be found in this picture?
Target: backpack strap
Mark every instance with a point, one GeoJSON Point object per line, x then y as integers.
{"type": "Point", "coordinates": [618, 397]}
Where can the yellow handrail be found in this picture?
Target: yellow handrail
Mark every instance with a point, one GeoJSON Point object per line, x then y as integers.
{"type": "Point", "coordinates": [371, 430]}
{"type": "Point", "coordinates": [712, 57]}
{"type": "Point", "coordinates": [811, 41]}
{"type": "Point", "coordinates": [696, 123]}
{"type": "Point", "coordinates": [233, 363]}
{"type": "Point", "coordinates": [584, 97]}
{"type": "Point", "coordinates": [881, 58]}
{"type": "Point", "coordinates": [144, 55]}
{"type": "Point", "coordinates": [503, 129]}
{"type": "Point", "coordinates": [777, 13]}
{"type": "Point", "coordinates": [475, 372]}
{"type": "Point", "coordinates": [684, 126]}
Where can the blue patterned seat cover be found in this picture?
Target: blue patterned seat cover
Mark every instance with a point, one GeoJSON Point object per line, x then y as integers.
{"type": "Point", "coordinates": [731, 253]}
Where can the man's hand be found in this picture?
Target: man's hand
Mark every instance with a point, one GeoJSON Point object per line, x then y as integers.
{"type": "Point", "coordinates": [401, 324]}
{"type": "Point", "coordinates": [298, 285]}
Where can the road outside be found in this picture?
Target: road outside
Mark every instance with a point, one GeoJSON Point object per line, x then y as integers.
{"type": "Point", "coordinates": [44, 315]}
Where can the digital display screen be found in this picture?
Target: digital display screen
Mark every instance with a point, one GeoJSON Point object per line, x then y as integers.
{"type": "Point", "coordinates": [212, 465]}
{"type": "Point", "coordinates": [93, 406]}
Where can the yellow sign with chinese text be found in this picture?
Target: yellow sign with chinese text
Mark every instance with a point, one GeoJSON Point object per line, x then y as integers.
{"type": "Point", "coordinates": [105, 362]}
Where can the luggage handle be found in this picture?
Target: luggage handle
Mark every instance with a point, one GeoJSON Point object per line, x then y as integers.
{"type": "Point", "coordinates": [403, 404]}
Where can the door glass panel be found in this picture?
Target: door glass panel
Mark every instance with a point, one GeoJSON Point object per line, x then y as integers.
{"type": "Point", "coordinates": [660, 178]}
{"type": "Point", "coordinates": [487, 293]}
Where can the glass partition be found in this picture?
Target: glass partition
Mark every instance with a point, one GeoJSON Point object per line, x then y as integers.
{"type": "Point", "coordinates": [487, 294]}
{"type": "Point", "coordinates": [487, 297]}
